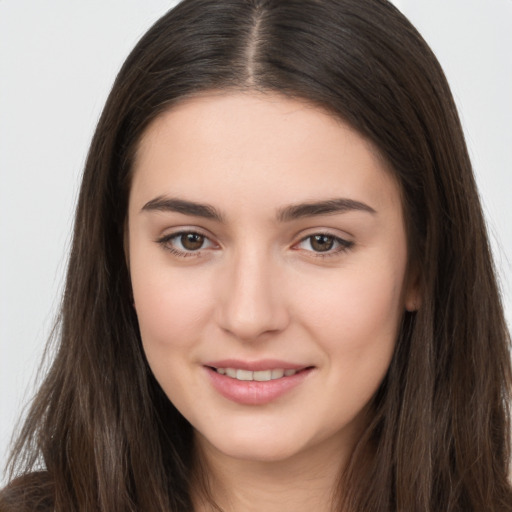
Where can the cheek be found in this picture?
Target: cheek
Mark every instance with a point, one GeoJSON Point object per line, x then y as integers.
{"type": "Point", "coordinates": [355, 322]}
{"type": "Point", "coordinates": [170, 307]}
{"type": "Point", "coordinates": [355, 317]}
{"type": "Point", "coordinates": [357, 301]}
{"type": "Point", "coordinates": [171, 311]}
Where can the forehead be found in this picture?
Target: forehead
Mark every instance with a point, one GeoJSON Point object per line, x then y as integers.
{"type": "Point", "coordinates": [255, 148]}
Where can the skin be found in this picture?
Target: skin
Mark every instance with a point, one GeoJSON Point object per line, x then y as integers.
{"type": "Point", "coordinates": [259, 288]}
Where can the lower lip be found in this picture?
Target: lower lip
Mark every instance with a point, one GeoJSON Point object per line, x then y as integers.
{"type": "Point", "coordinates": [250, 392]}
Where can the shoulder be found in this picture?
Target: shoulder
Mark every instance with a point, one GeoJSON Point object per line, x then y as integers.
{"type": "Point", "coordinates": [32, 492]}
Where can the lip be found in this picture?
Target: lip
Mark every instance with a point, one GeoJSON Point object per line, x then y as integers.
{"type": "Point", "coordinates": [254, 366]}
{"type": "Point", "coordinates": [255, 392]}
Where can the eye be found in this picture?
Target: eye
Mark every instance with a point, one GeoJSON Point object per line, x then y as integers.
{"type": "Point", "coordinates": [324, 244]}
{"type": "Point", "coordinates": [190, 241]}
{"type": "Point", "coordinates": [185, 243]}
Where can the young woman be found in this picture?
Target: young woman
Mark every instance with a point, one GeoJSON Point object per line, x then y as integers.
{"type": "Point", "coordinates": [280, 294]}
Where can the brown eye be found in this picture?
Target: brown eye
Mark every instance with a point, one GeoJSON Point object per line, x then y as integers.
{"type": "Point", "coordinates": [322, 243]}
{"type": "Point", "coordinates": [186, 243]}
{"type": "Point", "coordinates": [192, 241]}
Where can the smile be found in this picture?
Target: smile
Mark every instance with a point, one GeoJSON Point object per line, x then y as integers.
{"type": "Point", "coordinates": [255, 383]}
{"type": "Point", "coordinates": [260, 375]}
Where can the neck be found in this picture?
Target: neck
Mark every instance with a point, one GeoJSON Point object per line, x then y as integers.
{"type": "Point", "coordinates": [304, 482]}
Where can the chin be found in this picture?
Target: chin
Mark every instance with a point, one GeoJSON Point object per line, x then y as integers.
{"type": "Point", "coordinates": [257, 445]}
{"type": "Point", "coordinates": [261, 452]}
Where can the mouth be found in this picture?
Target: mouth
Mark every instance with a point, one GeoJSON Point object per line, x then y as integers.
{"type": "Point", "coordinates": [258, 375]}
{"type": "Point", "coordinates": [256, 383]}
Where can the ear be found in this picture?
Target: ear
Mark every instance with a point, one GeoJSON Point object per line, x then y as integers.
{"type": "Point", "coordinates": [413, 289]}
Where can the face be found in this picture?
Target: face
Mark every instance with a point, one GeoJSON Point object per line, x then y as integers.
{"type": "Point", "coordinates": [268, 259]}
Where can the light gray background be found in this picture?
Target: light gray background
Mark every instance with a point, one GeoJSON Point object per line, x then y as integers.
{"type": "Point", "coordinates": [58, 59]}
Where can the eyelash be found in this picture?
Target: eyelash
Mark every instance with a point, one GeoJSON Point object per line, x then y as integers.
{"type": "Point", "coordinates": [166, 240]}
{"type": "Point", "coordinates": [343, 245]}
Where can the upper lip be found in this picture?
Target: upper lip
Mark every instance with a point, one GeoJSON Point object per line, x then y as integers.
{"type": "Point", "coordinates": [254, 366]}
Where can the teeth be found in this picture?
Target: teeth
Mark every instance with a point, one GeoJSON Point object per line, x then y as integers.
{"type": "Point", "coordinates": [277, 374]}
{"type": "Point", "coordinates": [230, 372]}
{"type": "Point", "coordinates": [260, 375]}
{"type": "Point", "coordinates": [263, 375]}
{"type": "Point", "coordinates": [244, 375]}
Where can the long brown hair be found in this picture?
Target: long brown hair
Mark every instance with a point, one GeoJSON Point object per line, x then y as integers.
{"type": "Point", "coordinates": [101, 435]}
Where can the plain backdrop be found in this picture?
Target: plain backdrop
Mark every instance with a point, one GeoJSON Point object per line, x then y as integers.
{"type": "Point", "coordinates": [58, 59]}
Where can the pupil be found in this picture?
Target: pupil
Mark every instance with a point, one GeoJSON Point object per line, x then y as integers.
{"type": "Point", "coordinates": [192, 241]}
{"type": "Point", "coordinates": [322, 243]}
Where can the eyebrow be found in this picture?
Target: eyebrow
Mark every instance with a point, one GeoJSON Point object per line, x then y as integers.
{"type": "Point", "coordinates": [329, 207]}
{"type": "Point", "coordinates": [286, 214]}
{"type": "Point", "coordinates": [167, 204]}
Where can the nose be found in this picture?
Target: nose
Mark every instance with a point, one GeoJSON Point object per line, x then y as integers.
{"type": "Point", "coordinates": [253, 303]}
